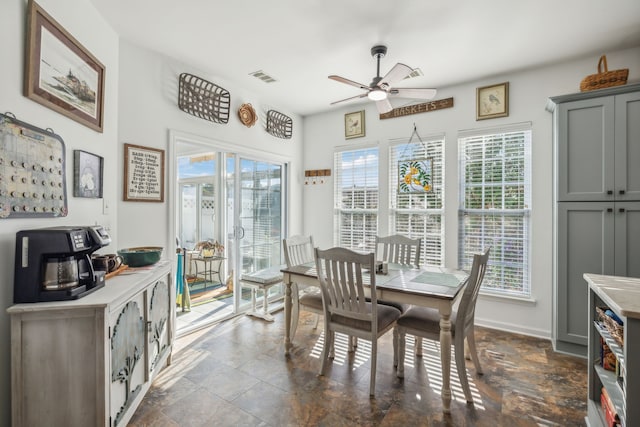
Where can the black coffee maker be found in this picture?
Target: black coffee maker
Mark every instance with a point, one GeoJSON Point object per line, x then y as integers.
{"type": "Point", "coordinates": [54, 264]}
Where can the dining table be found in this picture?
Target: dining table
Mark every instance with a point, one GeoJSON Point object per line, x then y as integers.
{"type": "Point", "coordinates": [435, 287]}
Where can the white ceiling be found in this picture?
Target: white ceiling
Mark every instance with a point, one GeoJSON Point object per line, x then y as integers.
{"type": "Point", "coordinates": [301, 42]}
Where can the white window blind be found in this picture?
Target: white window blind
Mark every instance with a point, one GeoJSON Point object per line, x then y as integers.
{"type": "Point", "coordinates": [419, 214]}
{"type": "Point", "coordinates": [356, 198]}
{"type": "Point", "coordinates": [495, 206]}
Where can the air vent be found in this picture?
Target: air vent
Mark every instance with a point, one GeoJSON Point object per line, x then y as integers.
{"type": "Point", "coordinates": [415, 73]}
{"type": "Point", "coordinates": [262, 76]}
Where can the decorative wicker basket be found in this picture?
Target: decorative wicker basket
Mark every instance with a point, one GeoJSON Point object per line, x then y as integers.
{"type": "Point", "coordinates": [604, 78]}
{"type": "Point", "coordinates": [616, 330]}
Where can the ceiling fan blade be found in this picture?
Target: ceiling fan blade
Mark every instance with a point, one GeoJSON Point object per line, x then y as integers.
{"type": "Point", "coordinates": [415, 93]}
{"type": "Point", "coordinates": [398, 72]}
{"type": "Point", "coordinates": [384, 106]}
{"type": "Point", "coordinates": [364, 95]}
{"type": "Point", "coordinates": [349, 82]}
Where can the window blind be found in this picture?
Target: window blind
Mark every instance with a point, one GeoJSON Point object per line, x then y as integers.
{"type": "Point", "coordinates": [356, 198]}
{"type": "Point", "coordinates": [419, 214]}
{"type": "Point", "coordinates": [495, 207]}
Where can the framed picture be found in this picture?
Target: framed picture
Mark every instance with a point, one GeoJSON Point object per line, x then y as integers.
{"type": "Point", "coordinates": [354, 124]}
{"type": "Point", "coordinates": [143, 174]}
{"type": "Point", "coordinates": [492, 101]}
{"type": "Point", "coordinates": [415, 176]}
{"type": "Point", "coordinates": [60, 73]}
{"type": "Point", "coordinates": [87, 174]}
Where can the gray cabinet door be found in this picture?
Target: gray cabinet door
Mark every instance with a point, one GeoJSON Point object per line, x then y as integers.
{"type": "Point", "coordinates": [585, 245]}
{"type": "Point", "coordinates": [627, 152]}
{"type": "Point", "coordinates": [585, 150]}
{"type": "Point", "coordinates": [627, 239]}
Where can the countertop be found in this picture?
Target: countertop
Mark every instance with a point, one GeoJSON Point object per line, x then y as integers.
{"type": "Point", "coordinates": [621, 294]}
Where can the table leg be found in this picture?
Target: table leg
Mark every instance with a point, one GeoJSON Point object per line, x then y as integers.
{"type": "Point", "coordinates": [445, 360]}
{"type": "Point", "coordinates": [287, 314]}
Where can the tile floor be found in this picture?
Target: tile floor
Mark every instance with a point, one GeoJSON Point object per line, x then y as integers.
{"type": "Point", "coordinates": [235, 374]}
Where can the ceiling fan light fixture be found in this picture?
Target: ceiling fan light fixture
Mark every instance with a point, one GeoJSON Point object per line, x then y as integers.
{"type": "Point", "coordinates": [377, 95]}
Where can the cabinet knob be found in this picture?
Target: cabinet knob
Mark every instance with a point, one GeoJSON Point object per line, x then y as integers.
{"type": "Point", "coordinates": [621, 210]}
{"type": "Point", "coordinates": [609, 192]}
{"type": "Point", "coordinates": [609, 209]}
{"type": "Point", "coordinates": [621, 192]}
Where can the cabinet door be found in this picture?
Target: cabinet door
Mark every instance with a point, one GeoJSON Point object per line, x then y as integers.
{"type": "Point", "coordinates": [128, 357]}
{"type": "Point", "coordinates": [627, 239]}
{"type": "Point", "coordinates": [585, 245]}
{"type": "Point", "coordinates": [158, 323]}
{"type": "Point", "coordinates": [585, 150]}
{"type": "Point", "coordinates": [627, 153]}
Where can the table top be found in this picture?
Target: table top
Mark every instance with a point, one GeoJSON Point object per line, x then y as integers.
{"type": "Point", "coordinates": [437, 282]}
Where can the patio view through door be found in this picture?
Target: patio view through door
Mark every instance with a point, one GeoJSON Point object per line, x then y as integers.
{"type": "Point", "coordinates": [237, 202]}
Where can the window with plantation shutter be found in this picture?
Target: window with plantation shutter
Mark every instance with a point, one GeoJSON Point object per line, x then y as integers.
{"type": "Point", "coordinates": [495, 205]}
{"type": "Point", "coordinates": [419, 214]}
{"type": "Point", "coordinates": [356, 198]}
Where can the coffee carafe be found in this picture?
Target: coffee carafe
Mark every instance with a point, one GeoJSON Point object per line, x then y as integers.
{"type": "Point", "coordinates": [54, 264]}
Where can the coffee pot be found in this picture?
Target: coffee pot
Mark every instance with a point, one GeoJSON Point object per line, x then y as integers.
{"type": "Point", "coordinates": [60, 273]}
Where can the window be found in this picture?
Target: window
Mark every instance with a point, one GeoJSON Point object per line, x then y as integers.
{"type": "Point", "coordinates": [356, 199]}
{"type": "Point", "coordinates": [495, 205]}
{"type": "Point", "coordinates": [419, 214]}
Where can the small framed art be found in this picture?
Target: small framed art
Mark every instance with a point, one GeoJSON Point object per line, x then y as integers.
{"type": "Point", "coordinates": [354, 124]}
{"type": "Point", "coordinates": [492, 101]}
{"type": "Point", "coordinates": [60, 73]}
{"type": "Point", "coordinates": [143, 174]}
{"type": "Point", "coordinates": [87, 174]}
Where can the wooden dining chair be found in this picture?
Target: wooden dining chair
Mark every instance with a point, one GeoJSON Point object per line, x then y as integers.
{"type": "Point", "coordinates": [343, 275]}
{"type": "Point", "coordinates": [299, 250]}
{"type": "Point", "coordinates": [425, 322]}
{"type": "Point", "coordinates": [398, 249]}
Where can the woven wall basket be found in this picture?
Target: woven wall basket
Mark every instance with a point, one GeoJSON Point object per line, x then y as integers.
{"type": "Point", "coordinates": [604, 78]}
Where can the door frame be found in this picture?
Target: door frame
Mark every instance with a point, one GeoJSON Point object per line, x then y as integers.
{"type": "Point", "coordinates": [198, 142]}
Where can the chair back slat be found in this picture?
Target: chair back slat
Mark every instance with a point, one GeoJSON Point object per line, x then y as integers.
{"type": "Point", "coordinates": [466, 309]}
{"type": "Point", "coordinates": [398, 249]}
{"type": "Point", "coordinates": [298, 250]}
{"type": "Point", "coordinates": [341, 273]}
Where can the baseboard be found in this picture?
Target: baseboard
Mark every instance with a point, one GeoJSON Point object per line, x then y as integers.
{"type": "Point", "coordinates": [514, 328]}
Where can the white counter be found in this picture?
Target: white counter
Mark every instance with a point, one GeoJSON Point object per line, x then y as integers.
{"type": "Point", "coordinates": [621, 294]}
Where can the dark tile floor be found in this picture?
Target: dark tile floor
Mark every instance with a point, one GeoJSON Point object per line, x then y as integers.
{"type": "Point", "coordinates": [235, 374]}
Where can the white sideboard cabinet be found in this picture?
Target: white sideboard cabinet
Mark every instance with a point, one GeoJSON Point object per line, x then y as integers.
{"type": "Point", "coordinates": [622, 296]}
{"type": "Point", "coordinates": [90, 361]}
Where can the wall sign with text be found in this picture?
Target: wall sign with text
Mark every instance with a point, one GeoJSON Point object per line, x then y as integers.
{"type": "Point", "coordinates": [143, 174]}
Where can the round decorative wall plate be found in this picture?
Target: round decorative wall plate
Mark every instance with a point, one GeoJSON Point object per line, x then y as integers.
{"type": "Point", "coordinates": [247, 115]}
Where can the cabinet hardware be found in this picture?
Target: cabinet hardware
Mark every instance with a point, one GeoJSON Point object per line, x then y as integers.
{"type": "Point", "coordinates": [609, 209]}
{"type": "Point", "coordinates": [609, 192]}
{"type": "Point", "coordinates": [621, 210]}
{"type": "Point", "coordinates": [621, 192]}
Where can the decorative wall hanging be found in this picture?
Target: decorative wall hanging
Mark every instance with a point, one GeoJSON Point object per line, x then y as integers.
{"type": "Point", "coordinates": [60, 73]}
{"type": "Point", "coordinates": [143, 174]}
{"type": "Point", "coordinates": [203, 99]}
{"type": "Point", "coordinates": [279, 125]}
{"type": "Point", "coordinates": [354, 125]}
{"type": "Point", "coordinates": [316, 176]}
{"type": "Point", "coordinates": [418, 108]}
{"type": "Point", "coordinates": [32, 171]}
{"type": "Point", "coordinates": [87, 174]}
{"type": "Point", "coordinates": [247, 115]}
{"type": "Point", "coordinates": [415, 175]}
{"type": "Point", "coordinates": [492, 101]}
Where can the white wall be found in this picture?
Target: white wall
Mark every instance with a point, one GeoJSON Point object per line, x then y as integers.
{"type": "Point", "coordinates": [148, 111]}
{"type": "Point", "coordinates": [529, 91]}
{"type": "Point", "coordinates": [81, 20]}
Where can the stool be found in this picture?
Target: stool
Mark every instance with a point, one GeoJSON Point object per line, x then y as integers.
{"type": "Point", "coordinates": [262, 279]}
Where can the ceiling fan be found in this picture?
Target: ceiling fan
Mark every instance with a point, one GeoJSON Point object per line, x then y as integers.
{"type": "Point", "coordinates": [380, 90]}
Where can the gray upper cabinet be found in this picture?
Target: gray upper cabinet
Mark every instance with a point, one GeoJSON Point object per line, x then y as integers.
{"type": "Point", "coordinates": [598, 148]}
{"type": "Point", "coordinates": [596, 200]}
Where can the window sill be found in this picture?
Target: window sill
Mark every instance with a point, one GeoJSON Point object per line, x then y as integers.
{"type": "Point", "coordinates": [507, 298]}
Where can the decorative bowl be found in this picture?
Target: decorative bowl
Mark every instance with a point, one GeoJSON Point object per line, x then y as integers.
{"type": "Point", "coordinates": [140, 256]}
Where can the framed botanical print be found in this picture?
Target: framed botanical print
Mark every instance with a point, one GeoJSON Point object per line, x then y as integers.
{"type": "Point", "coordinates": [354, 124]}
{"type": "Point", "coordinates": [60, 73]}
{"type": "Point", "coordinates": [492, 101]}
{"type": "Point", "coordinates": [87, 174]}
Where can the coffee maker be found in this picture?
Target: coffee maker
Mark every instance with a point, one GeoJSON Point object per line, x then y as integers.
{"type": "Point", "coordinates": [54, 264]}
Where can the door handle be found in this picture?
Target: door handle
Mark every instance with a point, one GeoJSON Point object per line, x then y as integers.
{"type": "Point", "coordinates": [241, 229]}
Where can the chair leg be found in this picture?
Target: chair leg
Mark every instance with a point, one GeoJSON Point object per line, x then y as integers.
{"type": "Point", "coordinates": [326, 350]}
{"type": "Point", "coordinates": [315, 326]}
{"type": "Point", "coordinates": [462, 370]}
{"type": "Point", "coordinates": [418, 341]}
{"type": "Point", "coordinates": [401, 353]}
{"type": "Point", "coordinates": [471, 340]}
{"type": "Point", "coordinates": [396, 337]}
{"type": "Point", "coordinates": [374, 359]}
